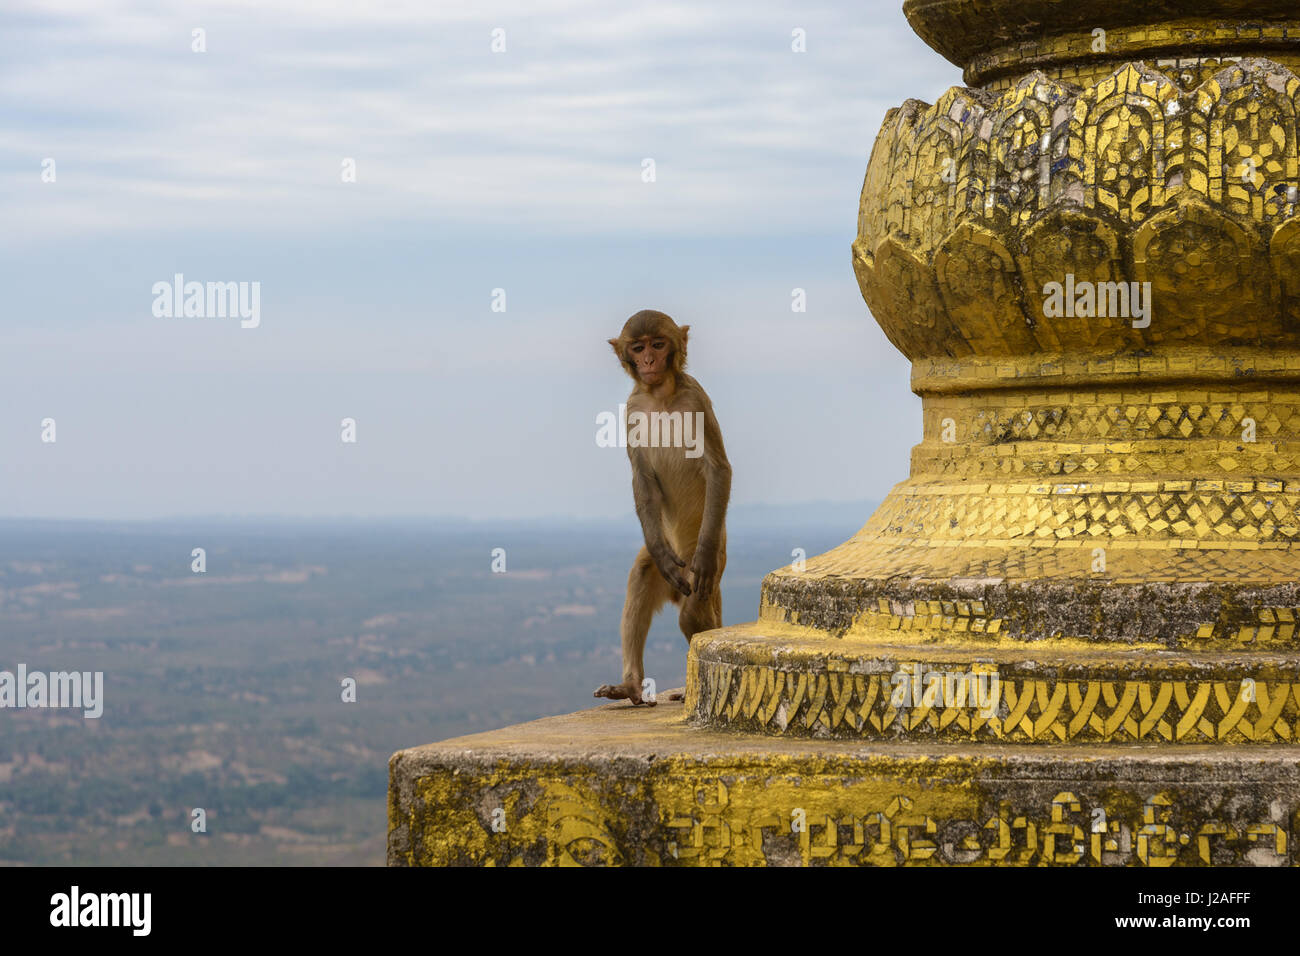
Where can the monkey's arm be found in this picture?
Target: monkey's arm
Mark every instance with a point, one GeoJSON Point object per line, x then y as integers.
{"type": "Point", "coordinates": [717, 493]}
{"type": "Point", "coordinates": [648, 495]}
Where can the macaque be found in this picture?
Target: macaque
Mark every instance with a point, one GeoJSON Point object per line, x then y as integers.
{"type": "Point", "coordinates": [681, 482]}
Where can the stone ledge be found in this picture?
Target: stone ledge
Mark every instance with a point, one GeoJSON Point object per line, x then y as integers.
{"type": "Point", "coordinates": [618, 785]}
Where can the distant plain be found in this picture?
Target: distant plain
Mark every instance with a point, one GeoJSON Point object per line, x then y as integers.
{"type": "Point", "coordinates": [222, 690]}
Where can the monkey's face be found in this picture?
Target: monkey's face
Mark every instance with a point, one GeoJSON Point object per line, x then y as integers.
{"type": "Point", "coordinates": [652, 356]}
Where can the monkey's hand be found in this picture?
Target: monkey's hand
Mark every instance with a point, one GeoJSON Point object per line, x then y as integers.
{"type": "Point", "coordinates": [670, 566]}
{"type": "Point", "coordinates": [704, 569]}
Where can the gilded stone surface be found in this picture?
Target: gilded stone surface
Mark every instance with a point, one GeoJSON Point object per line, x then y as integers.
{"type": "Point", "coordinates": [998, 40]}
{"type": "Point", "coordinates": [1124, 467]}
{"type": "Point", "coordinates": [970, 206]}
{"type": "Point", "coordinates": [761, 678]}
{"type": "Point", "coordinates": [1072, 635]}
{"type": "Point", "coordinates": [614, 786]}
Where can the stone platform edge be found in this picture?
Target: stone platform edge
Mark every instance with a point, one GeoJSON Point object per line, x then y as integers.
{"type": "Point", "coordinates": [623, 785]}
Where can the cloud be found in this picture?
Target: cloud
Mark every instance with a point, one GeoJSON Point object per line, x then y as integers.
{"type": "Point", "coordinates": [476, 171]}
{"type": "Point", "coordinates": [549, 135]}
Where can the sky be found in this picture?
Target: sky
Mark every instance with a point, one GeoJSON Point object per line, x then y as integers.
{"type": "Point", "coordinates": [379, 170]}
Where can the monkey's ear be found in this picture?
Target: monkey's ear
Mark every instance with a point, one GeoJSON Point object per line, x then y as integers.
{"type": "Point", "coordinates": [685, 330]}
{"type": "Point", "coordinates": [613, 343]}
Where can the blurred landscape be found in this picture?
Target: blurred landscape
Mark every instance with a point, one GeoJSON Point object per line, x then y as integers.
{"type": "Point", "coordinates": [222, 690]}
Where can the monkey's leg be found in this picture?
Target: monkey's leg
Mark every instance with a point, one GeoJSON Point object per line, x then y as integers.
{"type": "Point", "coordinates": [702, 614]}
{"type": "Point", "coordinates": [646, 593]}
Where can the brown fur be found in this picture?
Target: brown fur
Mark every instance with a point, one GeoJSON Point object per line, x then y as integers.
{"type": "Point", "coordinates": [680, 501]}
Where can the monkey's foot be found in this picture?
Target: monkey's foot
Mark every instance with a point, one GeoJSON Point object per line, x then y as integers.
{"type": "Point", "coordinates": [622, 692]}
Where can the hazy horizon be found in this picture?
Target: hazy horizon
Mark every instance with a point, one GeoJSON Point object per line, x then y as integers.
{"type": "Point", "coordinates": [779, 512]}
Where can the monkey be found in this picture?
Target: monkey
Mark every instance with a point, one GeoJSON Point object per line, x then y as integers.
{"type": "Point", "coordinates": [680, 490]}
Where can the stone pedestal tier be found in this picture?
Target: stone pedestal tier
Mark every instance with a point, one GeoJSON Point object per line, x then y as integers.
{"type": "Point", "coordinates": [948, 683]}
{"type": "Point", "coordinates": [617, 786]}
